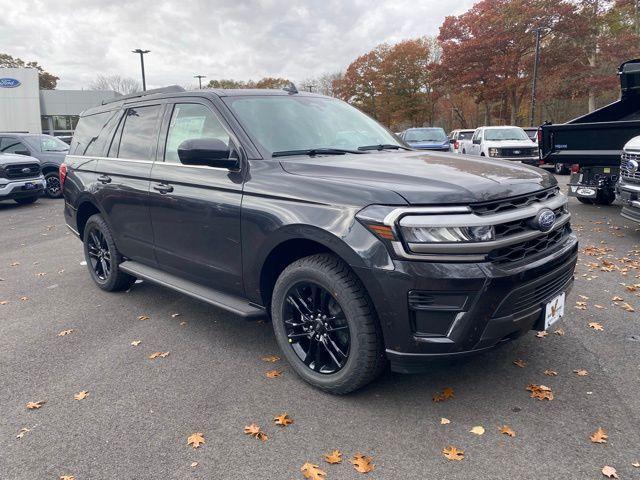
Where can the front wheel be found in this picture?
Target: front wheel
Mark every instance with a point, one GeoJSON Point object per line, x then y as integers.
{"type": "Point", "coordinates": [605, 197]}
{"type": "Point", "coordinates": [561, 169]}
{"type": "Point", "coordinates": [325, 325]}
{"type": "Point", "coordinates": [53, 188]}
{"type": "Point", "coordinates": [103, 257]}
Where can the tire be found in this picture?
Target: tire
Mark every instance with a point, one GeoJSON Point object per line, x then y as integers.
{"type": "Point", "coordinates": [365, 359]}
{"type": "Point", "coordinates": [26, 200]}
{"type": "Point", "coordinates": [100, 251]}
{"type": "Point", "coordinates": [561, 169]}
{"type": "Point", "coordinates": [605, 197]}
{"type": "Point", "coordinates": [52, 185]}
{"type": "Point", "coordinates": [586, 201]}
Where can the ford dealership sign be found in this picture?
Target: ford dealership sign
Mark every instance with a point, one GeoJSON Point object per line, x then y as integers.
{"type": "Point", "coordinates": [9, 83]}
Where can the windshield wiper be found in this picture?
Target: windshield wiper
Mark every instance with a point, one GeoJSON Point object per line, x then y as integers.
{"type": "Point", "coordinates": [314, 151]}
{"type": "Point", "coordinates": [383, 146]}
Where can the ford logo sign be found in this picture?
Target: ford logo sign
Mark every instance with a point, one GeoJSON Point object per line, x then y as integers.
{"type": "Point", "coordinates": [544, 220]}
{"type": "Point", "coordinates": [516, 152]}
{"type": "Point", "coordinates": [9, 83]}
{"type": "Point", "coordinates": [633, 167]}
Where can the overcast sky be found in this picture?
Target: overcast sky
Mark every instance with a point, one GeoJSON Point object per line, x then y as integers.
{"type": "Point", "coordinates": [241, 39]}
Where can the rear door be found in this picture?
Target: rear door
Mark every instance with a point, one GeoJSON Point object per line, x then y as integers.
{"type": "Point", "coordinates": [475, 145]}
{"type": "Point", "coordinates": [123, 183]}
{"type": "Point", "coordinates": [195, 210]}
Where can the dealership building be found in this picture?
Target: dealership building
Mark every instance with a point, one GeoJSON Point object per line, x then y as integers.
{"type": "Point", "coordinates": [26, 108]}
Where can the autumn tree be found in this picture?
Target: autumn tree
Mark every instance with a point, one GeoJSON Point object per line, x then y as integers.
{"type": "Point", "coordinates": [266, 82]}
{"type": "Point", "coordinates": [115, 83]}
{"type": "Point", "coordinates": [46, 80]}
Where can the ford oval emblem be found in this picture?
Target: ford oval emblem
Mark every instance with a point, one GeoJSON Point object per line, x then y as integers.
{"type": "Point", "coordinates": [9, 83]}
{"type": "Point", "coordinates": [544, 220]}
{"type": "Point", "coordinates": [633, 167]}
{"type": "Point", "coordinates": [26, 170]}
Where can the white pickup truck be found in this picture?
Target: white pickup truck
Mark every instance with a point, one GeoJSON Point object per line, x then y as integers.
{"type": "Point", "coordinates": [505, 143]}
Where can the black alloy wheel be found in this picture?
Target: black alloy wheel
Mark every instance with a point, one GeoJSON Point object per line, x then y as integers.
{"type": "Point", "coordinates": [53, 187]}
{"type": "Point", "coordinates": [316, 327]}
{"type": "Point", "coordinates": [99, 255]}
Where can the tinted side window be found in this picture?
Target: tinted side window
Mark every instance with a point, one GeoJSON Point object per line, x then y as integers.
{"type": "Point", "coordinates": [140, 133]}
{"type": "Point", "coordinates": [189, 121]}
{"type": "Point", "coordinates": [90, 135]}
{"type": "Point", "coordinates": [11, 145]}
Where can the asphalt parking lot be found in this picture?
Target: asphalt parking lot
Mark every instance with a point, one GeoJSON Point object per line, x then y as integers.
{"type": "Point", "coordinates": [139, 412]}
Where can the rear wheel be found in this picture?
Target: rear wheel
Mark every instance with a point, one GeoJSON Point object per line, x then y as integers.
{"type": "Point", "coordinates": [326, 326]}
{"type": "Point", "coordinates": [103, 257]}
{"type": "Point", "coordinates": [605, 197]}
{"type": "Point", "coordinates": [53, 187]}
{"type": "Point", "coordinates": [26, 200]}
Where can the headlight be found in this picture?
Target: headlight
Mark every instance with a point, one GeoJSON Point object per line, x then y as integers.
{"type": "Point", "coordinates": [447, 234]}
{"type": "Point", "coordinates": [493, 152]}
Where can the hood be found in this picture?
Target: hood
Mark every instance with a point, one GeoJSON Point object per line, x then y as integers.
{"type": "Point", "coordinates": [510, 143]}
{"type": "Point", "coordinates": [633, 145]}
{"type": "Point", "coordinates": [49, 158]}
{"type": "Point", "coordinates": [426, 178]}
{"type": "Point", "coordinates": [429, 144]}
{"type": "Point", "coordinates": [11, 159]}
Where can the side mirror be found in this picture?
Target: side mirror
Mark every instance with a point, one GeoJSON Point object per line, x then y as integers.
{"type": "Point", "coordinates": [22, 152]}
{"type": "Point", "coordinates": [452, 141]}
{"type": "Point", "coordinates": [209, 152]}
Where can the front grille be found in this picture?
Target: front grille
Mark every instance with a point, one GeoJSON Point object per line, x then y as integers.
{"type": "Point", "coordinates": [534, 292]}
{"type": "Point", "coordinates": [520, 251]}
{"type": "Point", "coordinates": [625, 168]}
{"type": "Point", "coordinates": [517, 152]}
{"type": "Point", "coordinates": [21, 170]}
{"type": "Point", "coordinates": [497, 206]}
{"type": "Point", "coordinates": [520, 226]}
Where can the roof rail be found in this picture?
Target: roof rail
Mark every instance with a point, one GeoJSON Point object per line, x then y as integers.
{"type": "Point", "coordinates": [169, 89]}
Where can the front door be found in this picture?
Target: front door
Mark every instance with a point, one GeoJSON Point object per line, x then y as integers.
{"type": "Point", "coordinates": [195, 210]}
{"type": "Point", "coordinates": [123, 182]}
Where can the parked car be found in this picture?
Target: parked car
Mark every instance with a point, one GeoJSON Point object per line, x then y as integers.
{"type": "Point", "coordinates": [300, 208]}
{"type": "Point", "coordinates": [628, 187]}
{"type": "Point", "coordinates": [431, 138]}
{"type": "Point", "coordinates": [505, 143]}
{"type": "Point", "coordinates": [591, 145]}
{"type": "Point", "coordinates": [459, 137]}
{"type": "Point", "coordinates": [46, 148]}
{"type": "Point", "coordinates": [20, 178]}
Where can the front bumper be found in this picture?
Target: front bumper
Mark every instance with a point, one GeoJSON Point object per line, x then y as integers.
{"type": "Point", "coordinates": [629, 196]}
{"type": "Point", "coordinates": [434, 310]}
{"type": "Point", "coordinates": [13, 189]}
{"type": "Point", "coordinates": [526, 160]}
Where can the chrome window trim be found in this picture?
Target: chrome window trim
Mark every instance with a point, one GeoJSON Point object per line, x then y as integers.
{"type": "Point", "coordinates": [116, 159]}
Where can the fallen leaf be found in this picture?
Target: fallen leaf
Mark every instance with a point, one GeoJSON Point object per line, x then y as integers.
{"type": "Point", "coordinates": [24, 299]}
{"type": "Point", "coordinates": [581, 372]}
{"type": "Point", "coordinates": [135, 343]}
{"type": "Point", "coordinates": [559, 332]}
{"type": "Point", "coordinates": [542, 334]}
{"type": "Point", "coordinates": [599, 436]}
{"type": "Point", "coordinates": [67, 477]}
{"type": "Point", "coordinates": [627, 307]}
{"type": "Point", "coordinates": [617, 298]}
{"type": "Point", "coordinates": [254, 431]}
{"type": "Point", "coordinates": [196, 439]}
{"type": "Point", "coordinates": [41, 274]}
{"type": "Point", "coordinates": [520, 363]}
{"type": "Point", "coordinates": [362, 464]}
{"type": "Point", "coordinates": [446, 394]}
{"type": "Point", "coordinates": [143, 317]}
{"type": "Point", "coordinates": [507, 430]}
{"type": "Point", "coordinates": [550, 373]}
{"type": "Point", "coordinates": [22, 432]}
{"type": "Point", "coordinates": [174, 315]}
{"type": "Point", "coordinates": [273, 373]}
{"type": "Point", "coordinates": [540, 392]}
{"type": "Point", "coordinates": [271, 358]}
{"type": "Point", "coordinates": [477, 430]}
{"type": "Point", "coordinates": [583, 297]}
{"type": "Point", "coordinates": [81, 395]}
{"type": "Point", "coordinates": [444, 421]}
{"type": "Point", "coordinates": [3, 302]}
{"type": "Point", "coordinates": [155, 355]}
{"type": "Point", "coordinates": [599, 307]}
{"type": "Point", "coordinates": [334, 457]}
{"type": "Point", "coordinates": [636, 464]}
{"type": "Point", "coordinates": [312, 472]}
{"type": "Point", "coordinates": [609, 472]}
{"type": "Point", "coordinates": [453, 453]}
{"type": "Point", "coordinates": [596, 326]}
{"type": "Point", "coordinates": [14, 264]}
{"type": "Point", "coordinates": [182, 324]}
{"type": "Point", "coordinates": [283, 419]}
{"type": "Point", "coordinates": [194, 464]}
{"type": "Point", "coordinates": [35, 405]}
{"type": "Point", "coordinates": [66, 332]}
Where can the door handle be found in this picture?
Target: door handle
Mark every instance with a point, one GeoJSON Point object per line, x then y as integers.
{"type": "Point", "coordinates": [104, 179]}
{"type": "Point", "coordinates": [163, 188]}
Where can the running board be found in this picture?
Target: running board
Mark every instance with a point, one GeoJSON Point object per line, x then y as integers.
{"type": "Point", "coordinates": [231, 303]}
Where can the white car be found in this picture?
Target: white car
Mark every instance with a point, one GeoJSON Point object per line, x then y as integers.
{"type": "Point", "coordinates": [459, 138]}
{"type": "Point", "coordinates": [505, 143]}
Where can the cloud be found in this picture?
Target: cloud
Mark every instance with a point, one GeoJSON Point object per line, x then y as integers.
{"type": "Point", "coordinates": [79, 39]}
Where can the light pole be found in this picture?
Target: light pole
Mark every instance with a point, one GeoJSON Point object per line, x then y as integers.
{"type": "Point", "coordinates": [200, 77]}
{"type": "Point", "coordinates": [535, 76]}
{"type": "Point", "coordinates": [142, 52]}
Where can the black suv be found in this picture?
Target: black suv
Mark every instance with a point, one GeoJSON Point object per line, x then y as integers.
{"type": "Point", "coordinates": [301, 208]}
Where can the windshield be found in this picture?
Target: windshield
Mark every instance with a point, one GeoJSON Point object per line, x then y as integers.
{"type": "Point", "coordinates": [425, 135]}
{"type": "Point", "coordinates": [287, 123]}
{"type": "Point", "coordinates": [52, 144]}
{"type": "Point", "coordinates": [505, 134]}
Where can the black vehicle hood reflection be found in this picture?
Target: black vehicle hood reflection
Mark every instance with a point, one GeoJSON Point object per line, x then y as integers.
{"type": "Point", "coordinates": [426, 178]}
